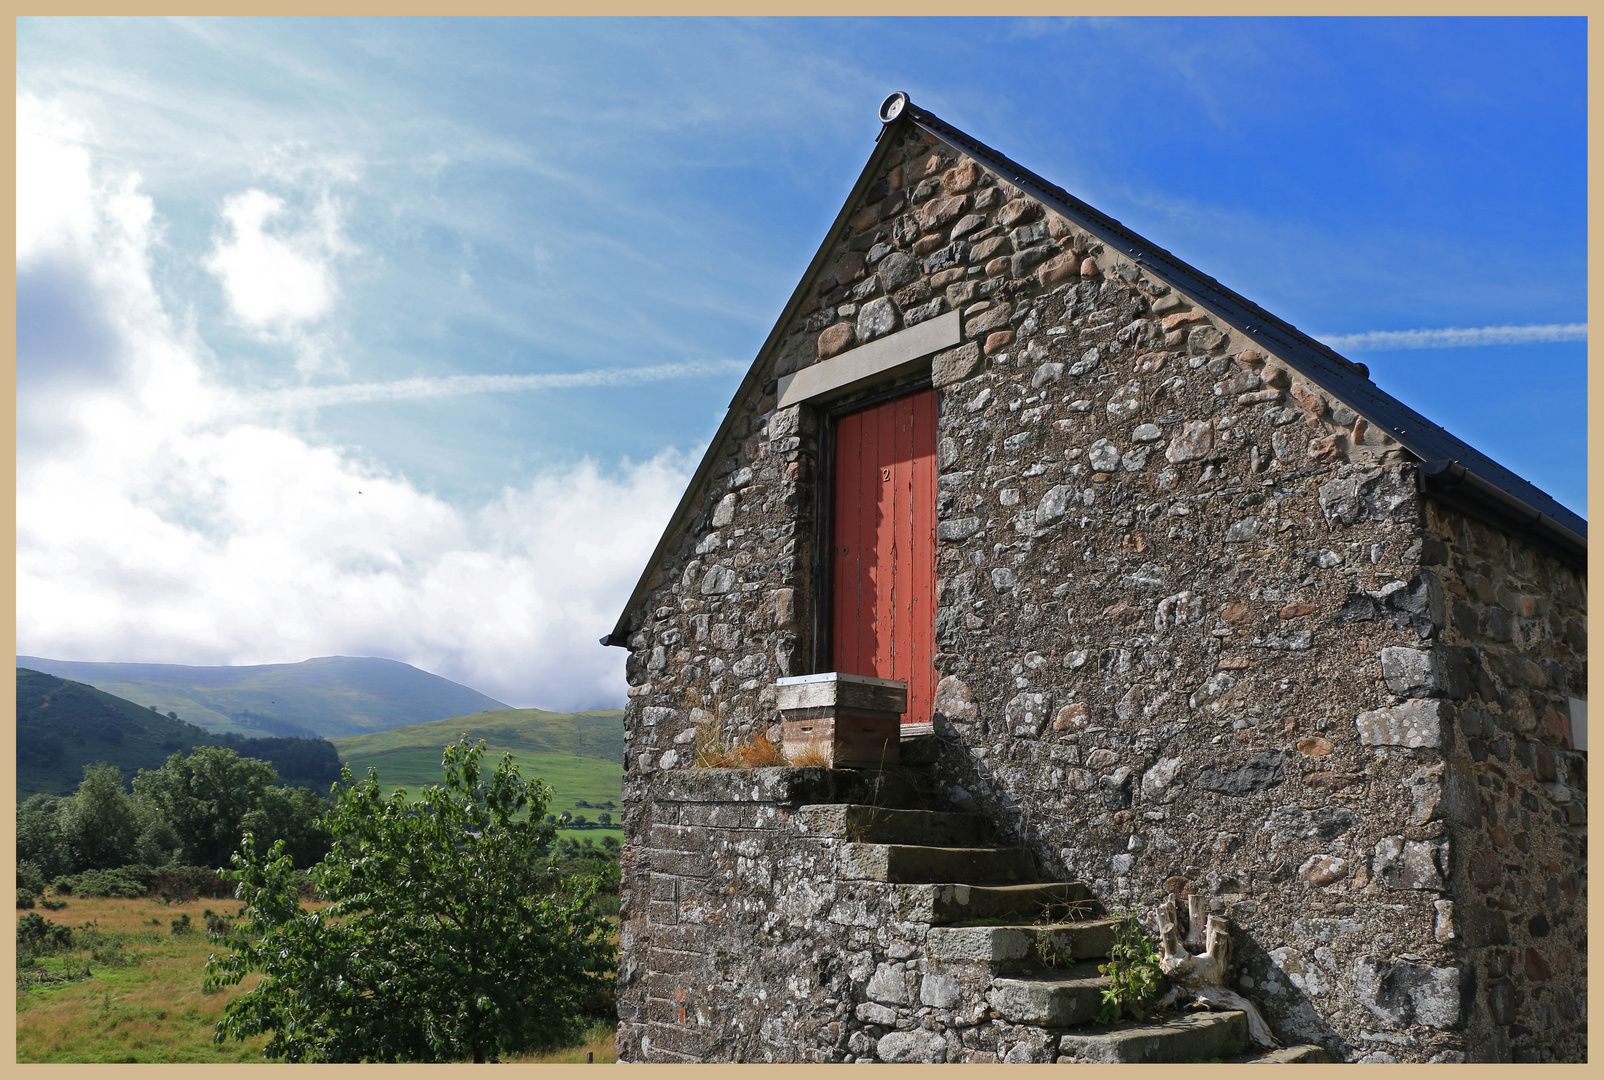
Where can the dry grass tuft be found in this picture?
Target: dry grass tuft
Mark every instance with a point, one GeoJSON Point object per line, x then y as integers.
{"type": "Point", "coordinates": [711, 753]}
{"type": "Point", "coordinates": [812, 756]}
{"type": "Point", "coordinates": [756, 752]}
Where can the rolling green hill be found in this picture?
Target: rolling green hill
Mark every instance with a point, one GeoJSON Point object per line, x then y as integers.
{"type": "Point", "coordinates": [579, 754]}
{"type": "Point", "coordinates": [330, 696]}
{"type": "Point", "coordinates": [64, 725]}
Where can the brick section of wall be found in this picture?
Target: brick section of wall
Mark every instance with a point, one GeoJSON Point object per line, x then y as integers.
{"type": "Point", "coordinates": [1181, 595]}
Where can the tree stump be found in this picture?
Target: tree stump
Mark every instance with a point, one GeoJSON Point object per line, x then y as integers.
{"type": "Point", "coordinates": [1201, 975]}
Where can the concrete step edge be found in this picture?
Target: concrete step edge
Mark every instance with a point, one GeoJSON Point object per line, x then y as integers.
{"type": "Point", "coordinates": [949, 903]}
{"type": "Point", "coordinates": [846, 821]}
{"type": "Point", "coordinates": [1061, 999]}
{"type": "Point", "coordinates": [922, 864]}
{"type": "Point", "coordinates": [1181, 1037]}
{"type": "Point", "coordinates": [1081, 939]}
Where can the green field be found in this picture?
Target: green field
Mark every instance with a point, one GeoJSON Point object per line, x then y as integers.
{"type": "Point", "coordinates": [566, 750]}
{"type": "Point", "coordinates": [571, 778]}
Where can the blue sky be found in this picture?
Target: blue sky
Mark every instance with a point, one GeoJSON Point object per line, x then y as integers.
{"type": "Point", "coordinates": [501, 277]}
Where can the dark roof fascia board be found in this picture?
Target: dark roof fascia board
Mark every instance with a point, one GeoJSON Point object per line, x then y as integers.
{"type": "Point", "coordinates": [1450, 483]}
{"type": "Point", "coordinates": [1320, 363]}
{"type": "Point", "coordinates": [750, 383]}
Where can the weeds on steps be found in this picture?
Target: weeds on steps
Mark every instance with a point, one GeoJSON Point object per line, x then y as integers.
{"type": "Point", "coordinates": [1133, 971]}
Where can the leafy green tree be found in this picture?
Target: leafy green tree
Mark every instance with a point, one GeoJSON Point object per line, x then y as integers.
{"type": "Point", "coordinates": [444, 941]}
{"type": "Point", "coordinates": [158, 843]}
{"type": "Point", "coordinates": [41, 844]}
{"type": "Point", "coordinates": [206, 798]}
{"type": "Point", "coordinates": [99, 820]}
{"type": "Point", "coordinates": [293, 815]}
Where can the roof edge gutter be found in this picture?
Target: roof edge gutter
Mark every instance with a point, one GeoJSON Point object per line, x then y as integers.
{"type": "Point", "coordinates": [1450, 482]}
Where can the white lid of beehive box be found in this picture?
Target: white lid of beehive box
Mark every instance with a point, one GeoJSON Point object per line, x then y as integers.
{"type": "Point", "coordinates": [839, 676]}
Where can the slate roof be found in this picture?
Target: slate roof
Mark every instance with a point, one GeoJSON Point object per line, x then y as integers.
{"type": "Point", "coordinates": [1454, 471]}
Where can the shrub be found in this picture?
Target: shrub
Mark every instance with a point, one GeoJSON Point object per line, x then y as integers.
{"type": "Point", "coordinates": [438, 912]}
{"type": "Point", "coordinates": [113, 883]}
{"type": "Point", "coordinates": [38, 936]}
{"type": "Point", "coordinates": [183, 883]}
{"type": "Point", "coordinates": [26, 898]}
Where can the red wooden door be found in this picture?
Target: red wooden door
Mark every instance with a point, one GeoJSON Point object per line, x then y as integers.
{"type": "Point", "coordinates": [883, 599]}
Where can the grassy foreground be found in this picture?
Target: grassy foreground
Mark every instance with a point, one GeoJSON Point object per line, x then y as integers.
{"type": "Point", "coordinates": [142, 1000]}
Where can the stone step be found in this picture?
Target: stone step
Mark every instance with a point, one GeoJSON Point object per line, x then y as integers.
{"type": "Point", "coordinates": [944, 905]}
{"type": "Point", "coordinates": [882, 825]}
{"type": "Point", "coordinates": [1308, 1054]}
{"type": "Point", "coordinates": [1190, 1036]}
{"type": "Point", "coordinates": [917, 863]}
{"type": "Point", "coordinates": [1059, 999]}
{"type": "Point", "coordinates": [1020, 947]}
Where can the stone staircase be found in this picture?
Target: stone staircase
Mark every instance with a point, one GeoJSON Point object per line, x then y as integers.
{"type": "Point", "coordinates": [1031, 947]}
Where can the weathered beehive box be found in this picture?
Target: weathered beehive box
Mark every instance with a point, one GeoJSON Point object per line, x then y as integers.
{"type": "Point", "coordinates": [850, 719]}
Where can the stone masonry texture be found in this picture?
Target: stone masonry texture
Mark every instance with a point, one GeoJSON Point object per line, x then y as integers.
{"type": "Point", "coordinates": [1198, 630]}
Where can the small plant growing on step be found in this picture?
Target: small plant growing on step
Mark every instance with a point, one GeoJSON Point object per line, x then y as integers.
{"type": "Point", "coordinates": [1133, 972]}
{"type": "Point", "coordinates": [1049, 951]}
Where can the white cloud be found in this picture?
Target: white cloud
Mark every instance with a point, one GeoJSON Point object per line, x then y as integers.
{"type": "Point", "coordinates": [280, 281]}
{"type": "Point", "coordinates": [153, 526]}
{"type": "Point", "coordinates": [1456, 337]}
{"type": "Point", "coordinates": [53, 181]}
{"type": "Point", "coordinates": [274, 282]}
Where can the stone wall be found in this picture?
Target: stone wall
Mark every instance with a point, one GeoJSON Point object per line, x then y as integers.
{"type": "Point", "coordinates": [752, 946]}
{"type": "Point", "coordinates": [1512, 794]}
{"type": "Point", "coordinates": [1197, 630]}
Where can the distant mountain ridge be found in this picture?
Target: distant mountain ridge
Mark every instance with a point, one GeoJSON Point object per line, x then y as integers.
{"type": "Point", "coordinates": [327, 696]}
{"type": "Point", "coordinates": [64, 725]}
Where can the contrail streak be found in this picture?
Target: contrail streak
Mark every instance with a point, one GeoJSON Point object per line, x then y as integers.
{"type": "Point", "coordinates": [1455, 338]}
{"type": "Point", "coordinates": [314, 397]}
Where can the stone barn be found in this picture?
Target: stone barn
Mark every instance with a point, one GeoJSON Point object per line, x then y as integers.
{"type": "Point", "coordinates": [1184, 606]}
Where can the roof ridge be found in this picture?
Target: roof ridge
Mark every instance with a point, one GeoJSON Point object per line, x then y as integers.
{"type": "Point", "coordinates": [1348, 380]}
{"type": "Point", "coordinates": [1459, 473]}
